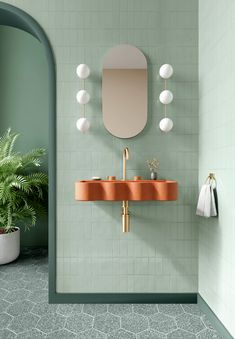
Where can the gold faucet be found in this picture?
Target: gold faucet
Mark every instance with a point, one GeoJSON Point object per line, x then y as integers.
{"type": "Point", "coordinates": [125, 211]}
{"type": "Point", "coordinates": [125, 157]}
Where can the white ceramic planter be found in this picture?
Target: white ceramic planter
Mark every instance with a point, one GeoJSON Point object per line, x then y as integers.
{"type": "Point", "coordinates": [9, 246]}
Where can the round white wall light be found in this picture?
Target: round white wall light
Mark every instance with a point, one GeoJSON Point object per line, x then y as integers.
{"type": "Point", "coordinates": [166, 125]}
{"type": "Point", "coordinates": [83, 71]}
{"type": "Point", "coordinates": [83, 124]}
{"type": "Point", "coordinates": [166, 97]}
{"type": "Point", "coordinates": [83, 97]}
{"type": "Point", "coordinates": [166, 71]}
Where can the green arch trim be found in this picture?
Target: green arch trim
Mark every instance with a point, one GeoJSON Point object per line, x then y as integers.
{"type": "Point", "coordinates": [15, 17]}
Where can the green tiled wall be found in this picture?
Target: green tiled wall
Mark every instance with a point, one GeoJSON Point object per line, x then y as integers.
{"type": "Point", "coordinates": [216, 154]}
{"type": "Point", "coordinates": [160, 252]}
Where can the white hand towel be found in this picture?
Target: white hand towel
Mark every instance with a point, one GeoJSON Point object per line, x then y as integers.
{"type": "Point", "coordinates": [204, 201]}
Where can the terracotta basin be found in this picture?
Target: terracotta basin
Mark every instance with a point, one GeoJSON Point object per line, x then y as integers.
{"type": "Point", "coordinates": [116, 190]}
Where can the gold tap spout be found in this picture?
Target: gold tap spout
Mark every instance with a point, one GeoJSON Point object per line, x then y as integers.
{"type": "Point", "coordinates": [125, 157]}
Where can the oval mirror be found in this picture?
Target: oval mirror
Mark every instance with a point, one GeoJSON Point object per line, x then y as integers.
{"type": "Point", "coordinates": [124, 91]}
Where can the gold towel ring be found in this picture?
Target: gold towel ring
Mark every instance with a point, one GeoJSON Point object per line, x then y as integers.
{"type": "Point", "coordinates": [211, 179]}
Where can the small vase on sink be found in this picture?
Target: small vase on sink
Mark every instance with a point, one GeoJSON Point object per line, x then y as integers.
{"type": "Point", "coordinates": [153, 166]}
{"type": "Point", "coordinates": [153, 175]}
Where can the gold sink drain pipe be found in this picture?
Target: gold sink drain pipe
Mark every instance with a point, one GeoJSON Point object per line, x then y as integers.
{"type": "Point", "coordinates": [125, 205]}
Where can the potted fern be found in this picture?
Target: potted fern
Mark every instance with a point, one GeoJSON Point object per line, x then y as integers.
{"type": "Point", "coordinates": [23, 194]}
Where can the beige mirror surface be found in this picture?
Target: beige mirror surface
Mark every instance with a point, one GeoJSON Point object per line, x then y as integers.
{"type": "Point", "coordinates": [124, 91]}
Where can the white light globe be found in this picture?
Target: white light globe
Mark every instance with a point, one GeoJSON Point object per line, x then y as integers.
{"type": "Point", "coordinates": [83, 97]}
{"type": "Point", "coordinates": [166, 125]}
{"type": "Point", "coordinates": [166, 71]}
{"type": "Point", "coordinates": [83, 124]}
{"type": "Point", "coordinates": [83, 71]}
{"type": "Point", "coordinates": [166, 97]}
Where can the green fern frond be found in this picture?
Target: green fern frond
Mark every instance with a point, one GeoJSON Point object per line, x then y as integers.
{"type": "Point", "coordinates": [21, 192]}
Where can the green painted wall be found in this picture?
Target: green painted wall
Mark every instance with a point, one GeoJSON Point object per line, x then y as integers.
{"type": "Point", "coordinates": [24, 102]}
{"type": "Point", "coordinates": [217, 154]}
{"type": "Point", "coordinates": [160, 253]}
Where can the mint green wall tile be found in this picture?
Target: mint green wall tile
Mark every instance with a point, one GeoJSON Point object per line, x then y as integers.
{"type": "Point", "coordinates": [160, 252]}
{"type": "Point", "coordinates": [216, 154]}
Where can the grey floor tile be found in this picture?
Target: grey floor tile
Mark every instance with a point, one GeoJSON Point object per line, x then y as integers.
{"type": "Point", "coordinates": [64, 309]}
{"type": "Point", "coordinates": [61, 334]}
{"type": "Point", "coordinates": [162, 323]}
{"type": "Point", "coordinates": [38, 284]}
{"type": "Point", "coordinates": [7, 334]}
{"type": "Point", "coordinates": [44, 308]}
{"type": "Point", "coordinates": [208, 334]}
{"type": "Point", "coordinates": [107, 323]}
{"type": "Point", "coordinates": [145, 309]}
{"type": "Point", "coordinates": [24, 295]}
{"type": "Point", "coordinates": [192, 309]}
{"type": "Point", "coordinates": [32, 334]}
{"type": "Point", "coordinates": [38, 296]}
{"type": "Point", "coordinates": [151, 334]}
{"type": "Point", "coordinates": [51, 322]}
{"type": "Point", "coordinates": [181, 334]}
{"type": "Point", "coordinates": [191, 323]}
{"type": "Point", "coordinates": [121, 334]}
{"type": "Point", "coordinates": [4, 305]}
{"type": "Point", "coordinates": [23, 322]}
{"type": "Point", "coordinates": [5, 319]}
{"type": "Point", "coordinates": [91, 334]}
{"type": "Point", "coordinates": [120, 309]}
{"type": "Point", "coordinates": [79, 322]}
{"type": "Point", "coordinates": [207, 322]}
{"type": "Point", "coordinates": [20, 307]}
{"type": "Point", "coordinates": [134, 323]}
{"type": "Point", "coordinates": [13, 284]}
{"type": "Point", "coordinates": [20, 294]}
{"type": "Point", "coordinates": [94, 309]}
{"type": "Point", "coordinates": [171, 309]}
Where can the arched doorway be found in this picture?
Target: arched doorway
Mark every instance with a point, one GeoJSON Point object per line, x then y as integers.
{"type": "Point", "coordinates": [14, 17]}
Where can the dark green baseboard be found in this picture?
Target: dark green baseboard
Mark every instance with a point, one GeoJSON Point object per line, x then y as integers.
{"type": "Point", "coordinates": [215, 322]}
{"type": "Point", "coordinates": [123, 298]}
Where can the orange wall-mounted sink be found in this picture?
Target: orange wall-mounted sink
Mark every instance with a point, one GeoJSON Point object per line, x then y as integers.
{"type": "Point", "coordinates": [116, 190]}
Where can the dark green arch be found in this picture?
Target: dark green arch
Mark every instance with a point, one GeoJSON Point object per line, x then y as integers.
{"type": "Point", "coordinates": [15, 17]}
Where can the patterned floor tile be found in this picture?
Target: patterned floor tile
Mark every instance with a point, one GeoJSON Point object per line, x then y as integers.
{"type": "Point", "coordinates": [26, 314]}
{"type": "Point", "coordinates": [4, 305]}
{"type": "Point", "coordinates": [208, 334]}
{"type": "Point", "coordinates": [134, 323]}
{"type": "Point", "coordinates": [7, 334]}
{"type": "Point", "coordinates": [172, 310]}
{"type": "Point", "coordinates": [33, 334]}
{"type": "Point", "coordinates": [145, 309]}
{"type": "Point", "coordinates": [44, 308]}
{"type": "Point", "coordinates": [107, 323]}
{"type": "Point", "coordinates": [120, 309]}
{"type": "Point", "coordinates": [121, 334]}
{"type": "Point", "coordinates": [61, 334]}
{"type": "Point", "coordinates": [51, 322]}
{"type": "Point", "coordinates": [162, 323]}
{"type": "Point", "coordinates": [23, 322]}
{"type": "Point", "coordinates": [150, 334]}
{"type": "Point", "coordinates": [192, 309]}
{"type": "Point", "coordinates": [65, 310]}
{"type": "Point", "coordinates": [91, 334]}
{"type": "Point", "coordinates": [181, 334]}
{"type": "Point", "coordinates": [20, 294]}
{"type": "Point", "coordinates": [190, 323]}
{"type": "Point", "coordinates": [79, 322]}
{"type": "Point", "coordinates": [94, 309]}
{"type": "Point", "coordinates": [5, 319]}
{"type": "Point", "coordinates": [20, 307]}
